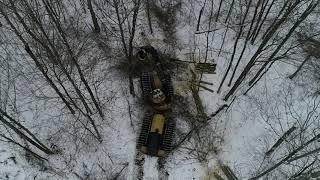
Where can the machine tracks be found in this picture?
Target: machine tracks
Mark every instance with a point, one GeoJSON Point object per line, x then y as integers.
{"type": "Point", "coordinates": [138, 162]}
{"type": "Point", "coordinates": [145, 81]}
{"type": "Point", "coordinates": [157, 128]}
{"type": "Point", "coordinates": [162, 172]}
{"type": "Point", "coordinates": [145, 128]}
{"type": "Point", "coordinates": [168, 86]}
{"type": "Point", "coordinates": [168, 136]}
{"type": "Point", "coordinates": [139, 167]}
{"type": "Point", "coordinates": [142, 140]}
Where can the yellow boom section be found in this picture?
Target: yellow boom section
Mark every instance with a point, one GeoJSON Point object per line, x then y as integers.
{"type": "Point", "coordinates": [158, 121]}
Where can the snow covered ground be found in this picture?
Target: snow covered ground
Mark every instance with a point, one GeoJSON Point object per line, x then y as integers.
{"type": "Point", "coordinates": [244, 126]}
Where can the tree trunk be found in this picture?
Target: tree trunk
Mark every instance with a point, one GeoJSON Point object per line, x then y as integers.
{"type": "Point", "coordinates": [225, 32]}
{"type": "Point", "coordinates": [299, 68]}
{"type": "Point", "coordinates": [51, 54]}
{"type": "Point", "coordinates": [219, 9]}
{"type": "Point", "coordinates": [25, 137]}
{"type": "Point", "coordinates": [264, 3]}
{"type": "Point", "coordinates": [149, 16]}
{"type": "Point", "coordinates": [280, 140]}
{"type": "Point", "coordinates": [199, 18]}
{"type": "Point", "coordinates": [83, 79]}
{"type": "Point", "coordinates": [304, 15]}
{"type": "Point", "coordinates": [254, 35]}
{"type": "Point", "coordinates": [287, 7]}
{"type": "Point", "coordinates": [228, 172]}
{"type": "Point", "coordinates": [304, 155]}
{"type": "Point", "coordinates": [245, 43]}
{"type": "Point", "coordinates": [235, 46]}
{"type": "Point", "coordinates": [128, 50]}
{"type": "Point", "coordinates": [229, 12]}
{"type": "Point", "coordinates": [300, 175]}
{"type": "Point", "coordinates": [287, 157]}
{"type": "Point", "coordinates": [19, 125]}
{"type": "Point", "coordinates": [24, 147]}
{"type": "Point", "coordinates": [54, 56]}
{"type": "Point", "coordinates": [133, 31]}
{"type": "Point", "coordinates": [259, 50]}
{"type": "Point", "coordinates": [93, 17]}
{"type": "Point", "coordinates": [39, 66]}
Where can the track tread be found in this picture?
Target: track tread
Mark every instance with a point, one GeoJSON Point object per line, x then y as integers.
{"type": "Point", "coordinates": [145, 81]}
{"type": "Point", "coordinates": [144, 131]}
{"type": "Point", "coordinates": [168, 136]}
{"type": "Point", "coordinates": [168, 87]}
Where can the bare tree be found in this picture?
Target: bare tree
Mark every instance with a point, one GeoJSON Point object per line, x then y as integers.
{"type": "Point", "coordinates": [127, 46]}
{"type": "Point", "coordinates": [268, 37]}
{"type": "Point", "coordinates": [56, 21]}
{"type": "Point", "coordinates": [270, 60]}
{"type": "Point", "coordinates": [93, 17]}
{"type": "Point", "coordinates": [242, 20]}
{"type": "Point", "coordinates": [19, 128]}
{"type": "Point", "coordinates": [227, 20]}
{"type": "Point", "coordinates": [245, 43]}
{"type": "Point", "coordinates": [53, 55]}
{"type": "Point", "coordinates": [37, 62]}
{"type": "Point", "coordinates": [261, 19]}
{"type": "Point", "coordinates": [286, 158]}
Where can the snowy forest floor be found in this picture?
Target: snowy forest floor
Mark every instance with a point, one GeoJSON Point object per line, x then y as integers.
{"type": "Point", "coordinates": [238, 136]}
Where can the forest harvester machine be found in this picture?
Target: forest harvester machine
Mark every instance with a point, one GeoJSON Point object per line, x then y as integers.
{"type": "Point", "coordinates": [156, 134]}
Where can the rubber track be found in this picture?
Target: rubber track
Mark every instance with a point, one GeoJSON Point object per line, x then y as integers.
{"type": "Point", "coordinates": [145, 127]}
{"type": "Point", "coordinates": [168, 136]}
{"type": "Point", "coordinates": [145, 81]}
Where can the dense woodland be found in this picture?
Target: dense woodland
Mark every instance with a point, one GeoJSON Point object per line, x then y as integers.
{"type": "Point", "coordinates": [70, 103]}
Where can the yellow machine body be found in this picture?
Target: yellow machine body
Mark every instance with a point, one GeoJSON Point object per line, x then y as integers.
{"type": "Point", "coordinates": [158, 122]}
{"type": "Point", "coordinates": [157, 127]}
